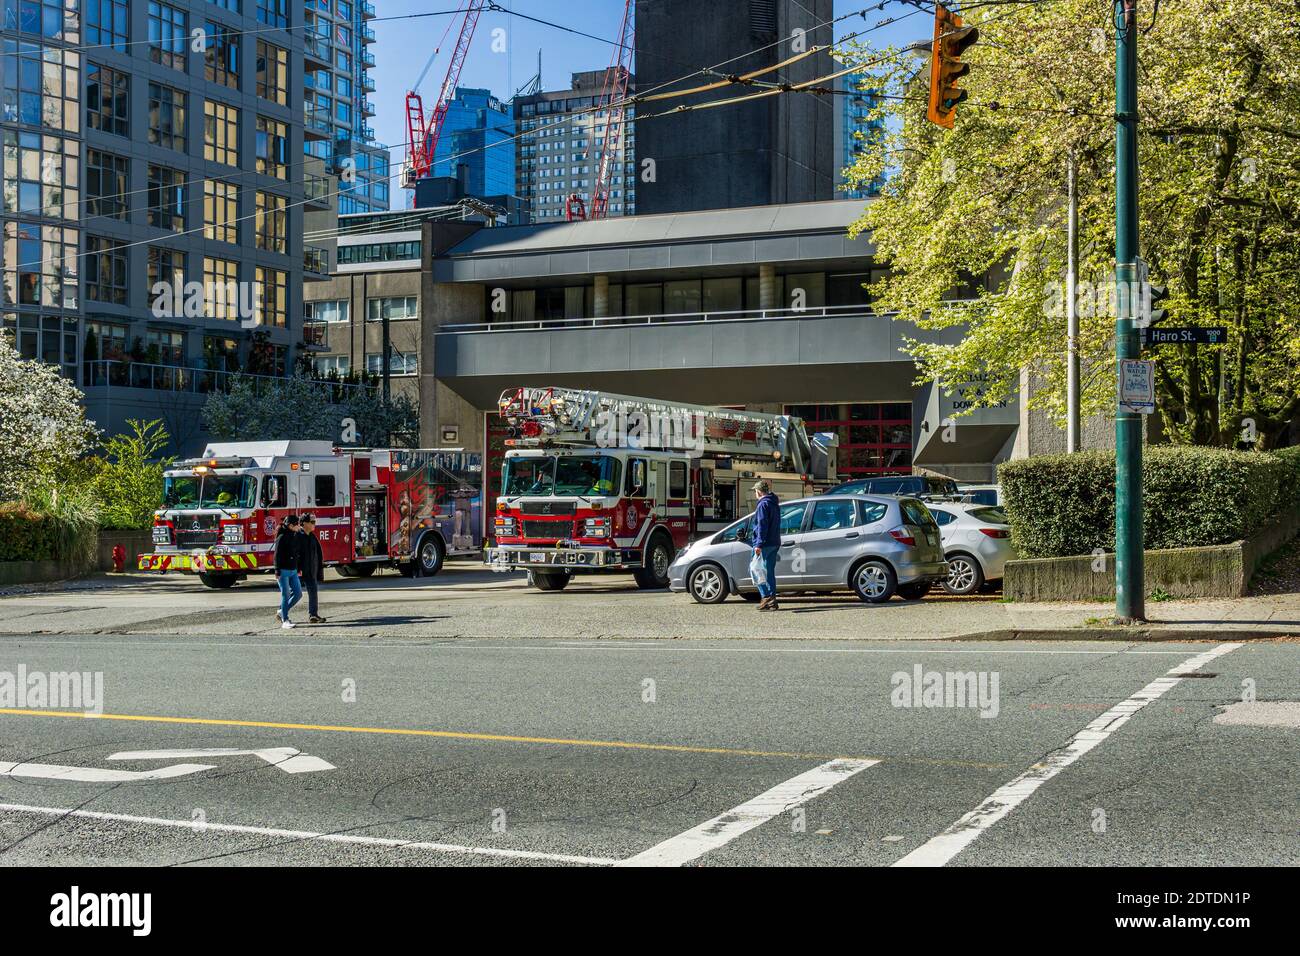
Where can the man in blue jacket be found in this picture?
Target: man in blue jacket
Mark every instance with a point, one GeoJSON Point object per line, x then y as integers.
{"type": "Point", "coordinates": [766, 539]}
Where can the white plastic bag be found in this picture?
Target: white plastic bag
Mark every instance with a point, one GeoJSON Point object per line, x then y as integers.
{"type": "Point", "coordinates": [758, 570]}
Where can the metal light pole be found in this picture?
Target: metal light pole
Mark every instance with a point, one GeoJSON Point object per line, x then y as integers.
{"type": "Point", "coordinates": [1129, 598]}
{"type": "Point", "coordinates": [1072, 427]}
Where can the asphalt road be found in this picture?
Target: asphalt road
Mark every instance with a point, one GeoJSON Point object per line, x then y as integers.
{"type": "Point", "coordinates": [473, 751]}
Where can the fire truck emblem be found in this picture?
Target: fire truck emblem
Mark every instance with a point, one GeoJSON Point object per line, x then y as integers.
{"type": "Point", "coordinates": [269, 525]}
{"type": "Point", "coordinates": [631, 516]}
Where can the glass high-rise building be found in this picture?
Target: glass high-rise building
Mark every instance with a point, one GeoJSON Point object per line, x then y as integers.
{"type": "Point", "coordinates": [853, 116]}
{"type": "Point", "coordinates": [152, 201]}
{"type": "Point", "coordinates": [338, 58]}
{"type": "Point", "coordinates": [476, 135]}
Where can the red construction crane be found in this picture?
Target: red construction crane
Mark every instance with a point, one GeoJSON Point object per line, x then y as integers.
{"type": "Point", "coordinates": [609, 170]}
{"type": "Point", "coordinates": [422, 136]}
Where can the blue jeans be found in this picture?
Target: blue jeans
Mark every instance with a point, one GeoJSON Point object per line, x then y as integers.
{"type": "Point", "coordinates": [290, 592]}
{"type": "Point", "coordinates": [769, 561]}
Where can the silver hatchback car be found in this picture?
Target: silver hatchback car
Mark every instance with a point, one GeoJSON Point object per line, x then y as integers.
{"type": "Point", "coordinates": [875, 545]}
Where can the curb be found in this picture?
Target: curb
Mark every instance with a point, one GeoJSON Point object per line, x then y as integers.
{"type": "Point", "coordinates": [1129, 634]}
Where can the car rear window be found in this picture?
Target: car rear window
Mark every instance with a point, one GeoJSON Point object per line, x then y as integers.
{"type": "Point", "coordinates": [872, 511]}
{"type": "Point", "coordinates": [916, 513]}
{"type": "Point", "coordinates": [991, 515]}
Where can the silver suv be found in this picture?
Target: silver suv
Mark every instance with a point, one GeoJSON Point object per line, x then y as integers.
{"type": "Point", "coordinates": [874, 545]}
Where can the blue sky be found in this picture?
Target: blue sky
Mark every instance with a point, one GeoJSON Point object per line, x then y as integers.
{"type": "Point", "coordinates": [403, 46]}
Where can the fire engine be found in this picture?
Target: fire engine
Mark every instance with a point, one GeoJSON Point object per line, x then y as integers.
{"type": "Point", "coordinates": [594, 482]}
{"type": "Point", "coordinates": [403, 508]}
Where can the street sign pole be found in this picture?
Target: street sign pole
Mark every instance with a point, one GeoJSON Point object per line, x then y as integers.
{"type": "Point", "coordinates": [1129, 598]}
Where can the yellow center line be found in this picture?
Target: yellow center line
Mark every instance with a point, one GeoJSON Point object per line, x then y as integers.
{"type": "Point", "coordinates": [466, 735]}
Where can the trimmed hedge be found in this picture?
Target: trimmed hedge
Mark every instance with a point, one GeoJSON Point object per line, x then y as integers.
{"type": "Point", "coordinates": [1061, 505]}
{"type": "Point", "coordinates": [25, 535]}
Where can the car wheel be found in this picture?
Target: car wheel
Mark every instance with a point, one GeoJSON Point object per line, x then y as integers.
{"type": "Point", "coordinates": [550, 580]}
{"type": "Point", "coordinates": [708, 584]}
{"type": "Point", "coordinates": [965, 576]}
{"type": "Point", "coordinates": [914, 591]}
{"type": "Point", "coordinates": [217, 580]}
{"type": "Point", "coordinates": [658, 558]}
{"type": "Point", "coordinates": [874, 581]}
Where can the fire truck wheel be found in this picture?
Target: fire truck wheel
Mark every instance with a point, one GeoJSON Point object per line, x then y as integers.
{"type": "Point", "coordinates": [215, 579]}
{"type": "Point", "coordinates": [356, 570]}
{"type": "Point", "coordinates": [429, 557]}
{"type": "Point", "coordinates": [708, 584]}
{"type": "Point", "coordinates": [658, 557]}
{"type": "Point", "coordinates": [550, 580]}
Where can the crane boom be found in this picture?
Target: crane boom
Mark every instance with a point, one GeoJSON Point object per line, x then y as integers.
{"type": "Point", "coordinates": [422, 135]}
{"type": "Point", "coordinates": [614, 96]}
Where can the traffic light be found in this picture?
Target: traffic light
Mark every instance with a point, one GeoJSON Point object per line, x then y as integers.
{"type": "Point", "coordinates": [951, 38]}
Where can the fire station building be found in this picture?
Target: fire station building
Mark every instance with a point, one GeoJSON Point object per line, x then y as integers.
{"type": "Point", "coordinates": [758, 307]}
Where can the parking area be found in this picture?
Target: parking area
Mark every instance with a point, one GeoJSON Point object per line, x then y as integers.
{"type": "Point", "coordinates": [221, 750]}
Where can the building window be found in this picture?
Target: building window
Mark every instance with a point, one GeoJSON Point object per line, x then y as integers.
{"type": "Point", "coordinates": [166, 117]}
{"type": "Point", "coordinates": [221, 288]}
{"type": "Point", "coordinates": [167, 35]}
{"type": "Point", "coordinates": [41, 84]}
{"type": "Point", "coordinates": [272, 73]}
{"type": "Point", "coordinates": [271, 297]}
{"type": "Point", "coordinates": [336, 310]}
{"type": "Point", "coordinates": [166, 274]}
{"type": "Point", "coordinates": [106, 184]}
{"type": "Point", "coordinates": [221, 133]}
{"type": "Point", "coordinates": [875, 438]}
{"type": "Point", "coordinates": [399, 363]}
{"type": "Point", "coordinates": [392, 308]}
{"type": "Point", "coordinates": [166, 348]}
{"type": "Point", "coordinates": [221, 54]}
{"type": "Point", "coordinates": [108, 93]}
{"type": "Point", "coordinates": [272, 148]}
{"type": "Point", "coordinates": [106, 23]}
{"type": "Point", "coordinates": [166, 198]}
{"type": "Point", "coordinates": [272, 221]}
{"type": "Point", "coordinates": [40, 263]}
{"type": "Point", "coordinates": [105, 270]}
{"type": "Point", "coordinates": [377, 251]}
{"type": "Point", "coordinates": [110, 342]}
{"type": "Point", "coordinates": [274, 13]}
{"type": "Point", "coordinates": [337, 366]}
{"type": "Point", "coordinates": [220, 211]}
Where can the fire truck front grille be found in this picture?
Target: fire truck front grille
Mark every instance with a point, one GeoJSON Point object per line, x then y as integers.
{"type": "Point", "coordinates": [196, 539]}
{"type": "Point", "coordinates": [549, 530]}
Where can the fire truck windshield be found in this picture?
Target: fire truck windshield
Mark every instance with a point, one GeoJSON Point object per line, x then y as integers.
{"type": "Point", "coordinates": [209, 491]}
{"type": "Point", "coordinates": [549, 475]}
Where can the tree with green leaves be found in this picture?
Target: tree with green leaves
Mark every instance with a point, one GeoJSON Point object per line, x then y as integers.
{"type": "Point", "coordinates": [43, 427]}
{"type": "Point", "coordinates": [127, 480]}
{"type": "Point", "coordinates": [973, 220]}
{"type": "Point", "coordinates": [297, 407]}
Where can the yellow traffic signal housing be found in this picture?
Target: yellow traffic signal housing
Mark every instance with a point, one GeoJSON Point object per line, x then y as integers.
{"type": "Point", "coordinates": [951, 38]}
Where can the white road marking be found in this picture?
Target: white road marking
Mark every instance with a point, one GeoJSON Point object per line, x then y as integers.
{"type": "Point", "coordinates": [46, 771]}
{"type": "Point", "coordinates": [286, 758]}
{"type": "Point", "coordinates": [348, 838]}
{"type": "Point", "coordinates": [724, 828]}
{"type": "Point", "coordinates": [940, 850]}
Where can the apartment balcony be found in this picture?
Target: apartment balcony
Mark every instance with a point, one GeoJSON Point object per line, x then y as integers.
{"type": "Point", "coordinates": [367, 84]}
{"type": "Point", "coordinates": [316, 190]}
{"type": "Point", "coordinates": [315, 336]}
{"type": "Point", "coordinates": [367, 10]}
{"type": "Point", "coordinates": [367, 132]}
{"type": "Point", "coordinates": [135, 381]}
{"type": "Point", "coordinates": [316, 122]}
{"type": "Point", "coordinates": [367, 107]}
{"type": "Point", "coordinates": [368, 59]}
{"type": "Point", "coordinates": [315, 263]}
{"type": "Point", "coordinates": [316, 49]}
{"type": "Point", "coordinates": [367, 35]}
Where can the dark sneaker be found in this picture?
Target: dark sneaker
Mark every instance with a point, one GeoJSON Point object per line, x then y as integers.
{"type": "Point", "coordinates": [315, 619]}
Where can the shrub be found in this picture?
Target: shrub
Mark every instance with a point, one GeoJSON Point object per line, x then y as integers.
{"type": "Point", "coordinates": [128, 480]}
{"type": "Point", "coordinates": [1289, 493]}
{"type": "Point", "coordinates": [1065, 504]}
{"type": "Point", "coordinates": [51, 523]}
{"type": "Point", "coordinates": [25, 535]}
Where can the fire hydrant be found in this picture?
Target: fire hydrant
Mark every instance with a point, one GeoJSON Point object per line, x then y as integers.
{"type": "Point", "coordinates": [119, 558]}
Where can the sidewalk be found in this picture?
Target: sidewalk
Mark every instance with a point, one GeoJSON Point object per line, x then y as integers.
{"type": "Point", "coordinates": [466, 602]}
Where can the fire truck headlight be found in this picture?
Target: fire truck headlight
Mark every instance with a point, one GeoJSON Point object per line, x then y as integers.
{"type": "Point", "coordinates": [597, 527]}
{"type": "Point", "coordinates": [505, 526]}
{"type": "Point", "coordinates": [162, 534]}
{"type": "Point", "coordinates": [232, 534]}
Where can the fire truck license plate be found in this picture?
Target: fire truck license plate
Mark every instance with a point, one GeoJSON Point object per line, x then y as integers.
{"type": "Point", "coordinates": [537, 558]}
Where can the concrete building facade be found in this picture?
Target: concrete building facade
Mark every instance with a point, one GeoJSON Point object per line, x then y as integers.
{"type": "Point", "coordinates": [771, 150]}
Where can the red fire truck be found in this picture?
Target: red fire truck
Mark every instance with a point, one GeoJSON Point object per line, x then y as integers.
{"type": "Point", "coordinates": [594, 482]}
{"type": "Point", "coordinates": [399, 507]}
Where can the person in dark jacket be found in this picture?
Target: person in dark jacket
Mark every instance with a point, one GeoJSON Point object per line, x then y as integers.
{"type": "Point", "coordinates": [287, 557]}
{"type": "Point", "coordinates": [311, 566]}
{"type": "Point", "coordinates": [766, 539]}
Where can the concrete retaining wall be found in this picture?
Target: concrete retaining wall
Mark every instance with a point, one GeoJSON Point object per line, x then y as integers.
{"type": "Point", "coordinates": [134, 543]}
{"type": "Point", "coordinates": [1219, 571]}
